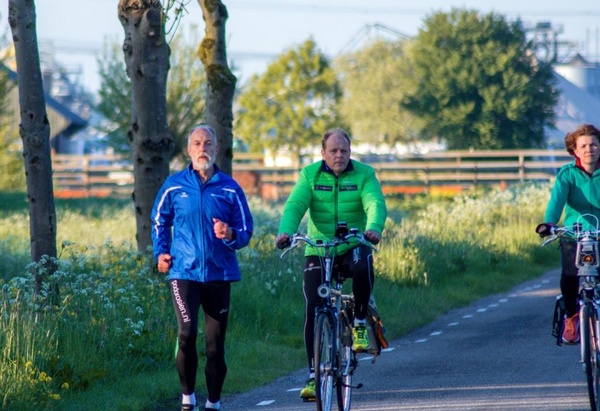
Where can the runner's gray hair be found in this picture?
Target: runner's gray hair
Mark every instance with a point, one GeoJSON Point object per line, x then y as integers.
{"type": "Point", "coordinates": [205, 127]}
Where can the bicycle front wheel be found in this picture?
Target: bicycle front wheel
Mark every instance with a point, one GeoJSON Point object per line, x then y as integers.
{"type": "Point", "coordinates": [344, 380]}
{"type": "Point", "coordinates": [324, 349]}
{"type": "Point", "coordinates": [589, 349]}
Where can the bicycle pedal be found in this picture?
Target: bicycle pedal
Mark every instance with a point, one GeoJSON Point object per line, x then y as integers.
{"type": "Point", "coordinates": [309, 399]}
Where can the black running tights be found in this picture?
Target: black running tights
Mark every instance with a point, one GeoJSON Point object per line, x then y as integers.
{"type": "Point", "coordinates": [214, 298]}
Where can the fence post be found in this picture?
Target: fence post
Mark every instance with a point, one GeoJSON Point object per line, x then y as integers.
{"type": "Point", "coordinates": [522, 167]}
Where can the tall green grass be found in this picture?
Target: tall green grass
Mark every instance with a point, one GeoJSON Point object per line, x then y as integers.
{"type": "Point", "coordinates": [114, 325]}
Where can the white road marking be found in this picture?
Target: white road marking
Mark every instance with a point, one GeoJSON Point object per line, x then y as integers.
{"type": "Point", "coordinates": [266, 402]}
{"type": "Point", "coordinates": [434, 333]}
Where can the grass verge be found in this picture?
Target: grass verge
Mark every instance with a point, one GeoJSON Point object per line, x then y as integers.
{"type": "Point", "coordinates": [109, 343]}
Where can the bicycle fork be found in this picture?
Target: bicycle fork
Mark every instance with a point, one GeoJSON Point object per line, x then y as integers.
{"type": "Point", "coordinates": [347, 360]}
{"type": "Point", "coordinates": [589, 327]}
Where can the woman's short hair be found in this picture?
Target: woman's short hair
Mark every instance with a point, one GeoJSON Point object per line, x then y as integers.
{"type": "Point", "coordinates": [582, 130]}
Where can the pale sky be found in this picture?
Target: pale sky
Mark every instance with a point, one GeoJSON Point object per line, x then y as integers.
{"type": "Point", "coordinates": [259, 30]}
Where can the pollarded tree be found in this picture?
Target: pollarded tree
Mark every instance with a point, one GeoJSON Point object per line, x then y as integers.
{"type": "Point", "coordinates": [186, 93]}
{"type": "Point", "coordinates": [478, 83]}
{"type": "Point", "coordinates": [146, 55]}
{"type": "Point", "coordinates": [220, 81]}
{"type": "Point", "coordinates": [35, 133]}
{"type": "Point", "coordinates": [375, 84]}
{"type": "Point", "coordinates": [291, 104]}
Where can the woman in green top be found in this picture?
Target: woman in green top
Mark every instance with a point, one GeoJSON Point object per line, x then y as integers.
{"type": "Point", "coordinates": [577, 192]}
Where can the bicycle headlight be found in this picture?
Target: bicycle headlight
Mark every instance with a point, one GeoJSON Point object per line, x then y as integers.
{"type": "Point", "coordinates": [587, 253]}
{"type": "Point", "coordinates": [588, 258]}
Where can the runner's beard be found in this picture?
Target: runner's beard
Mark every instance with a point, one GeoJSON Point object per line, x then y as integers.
{"type": "Point", "coordinates": [204, 163]}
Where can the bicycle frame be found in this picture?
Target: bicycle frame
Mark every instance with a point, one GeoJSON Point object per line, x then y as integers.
{"type": "Point", "coordinates": [335, 361]}
{"type": "Point", "coordinates": [337, 307]}
{"type": "Point", "coordinates": [587, 261]}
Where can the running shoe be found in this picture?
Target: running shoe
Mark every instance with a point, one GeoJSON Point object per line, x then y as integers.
{"type": "Point", "coordinates": [360, 338]}
{"type": "Point", "coordinates": [308, 393]}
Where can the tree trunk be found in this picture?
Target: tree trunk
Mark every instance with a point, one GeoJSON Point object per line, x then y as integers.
{"type": "Point", "coordinates": [146, 55]}
{"type": "Point", "coordinates": [220, 81]}
{"type": "Point", "coordinates": [35, 133]}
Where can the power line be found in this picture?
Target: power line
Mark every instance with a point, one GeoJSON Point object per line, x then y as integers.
{"type": "Point", "coordinates": [371, 9]}
{"type": "Point", "coordinates": [319, 7]}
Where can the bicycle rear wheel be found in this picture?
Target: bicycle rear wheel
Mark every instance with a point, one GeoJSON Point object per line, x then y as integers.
{"type": "Point", "coordinates": [589, 341]}
{"type": "Point", "coordinates": [324, 349]}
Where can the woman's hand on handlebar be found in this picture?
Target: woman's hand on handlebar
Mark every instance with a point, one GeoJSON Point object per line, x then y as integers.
{"type": "Point", "coordinates": [545, 229]}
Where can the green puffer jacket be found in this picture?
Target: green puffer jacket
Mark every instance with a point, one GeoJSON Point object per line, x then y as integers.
{"type": "Point", "coordinates": [577, 193]}
{"type": "Point", "coordinates": [354, 197]}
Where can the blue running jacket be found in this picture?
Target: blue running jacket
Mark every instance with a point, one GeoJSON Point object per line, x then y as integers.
{"type": "Point", "coordinates": [182, 225]}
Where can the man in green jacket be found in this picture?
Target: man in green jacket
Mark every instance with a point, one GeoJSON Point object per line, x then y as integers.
{"type": "Point", "coordinates": [336, 189]}
{"type": "Point", "coordinates": [576, 191]}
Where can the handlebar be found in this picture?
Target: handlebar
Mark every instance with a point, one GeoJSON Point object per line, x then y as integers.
{"type": "Point", "coordinates": [575, 233]}
{"type": "Point", "coordinates": [336, 241]}
{"type": "Point", "coordinates": [587, 255]}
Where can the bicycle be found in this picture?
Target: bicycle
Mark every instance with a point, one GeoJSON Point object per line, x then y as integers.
{"type": "Point", "coordinates": [335, 361]}
{"type": "Point", "coordinates": [587, 261]}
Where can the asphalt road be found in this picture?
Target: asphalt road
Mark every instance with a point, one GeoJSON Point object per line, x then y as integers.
{"type": "Point", "coordinates": [496, 354]}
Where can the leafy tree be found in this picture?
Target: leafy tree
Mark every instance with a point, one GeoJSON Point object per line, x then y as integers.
{"type": "Point", "coordinates": [146, 55]}
{"type": "Point", "coordinates": [375, 84]}
{"type": "Point", "coordinates": [478, 83]}
{"type": "Point", "coordinates": [114, 97]}
{"type": "Point", "coordinates": [291, 103]}
{"type": "Point", "coordinates": [11, 159]}
{"type": "Point", "coordinates": [35, 133]}
{"type": "Point", "coordinates": [186, 93]}
{"type": "Point", "coordinates": [186, 90]}
{"type": "Point", "coordinates": [221, 83]}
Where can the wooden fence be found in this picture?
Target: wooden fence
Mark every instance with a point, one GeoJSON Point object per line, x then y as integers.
{"type": "Point", "coordinates": [94, 175]}
{"type": "Point", "coordinates": [449, 171]}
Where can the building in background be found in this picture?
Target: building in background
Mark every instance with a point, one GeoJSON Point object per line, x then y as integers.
{"type": "Point", "coordinates": [577, 79]}
{"type": "Point", "coordinates": [69, 107]}
{"type": "Point", "coordinates": [582, 73]}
